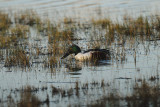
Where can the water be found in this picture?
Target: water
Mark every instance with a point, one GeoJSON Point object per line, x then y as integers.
{"type": "Point", "coordinates": [140, 62]}
{"type": "Point", "coordinates": [83, 8]}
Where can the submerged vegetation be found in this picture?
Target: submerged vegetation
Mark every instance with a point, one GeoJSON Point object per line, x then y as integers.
{"type": "Point", "coordinates": [29, 41]}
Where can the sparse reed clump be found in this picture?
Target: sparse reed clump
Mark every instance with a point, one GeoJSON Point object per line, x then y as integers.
{"type": "Point", "coordinates": [104, 23]}
{"type": "Point", "coordinates": [53, 55]}
{"type": "Point", "coordinates": [15, 34]}
{"type": "Point", "coordinates": [5, 22]}
{"type": "Point", "coordinates": [134, 27]}
{"type": "Point", "coordinates": [68, 20]}
{"type": "Point", "coordinates": [17, 58]}
{"type": "Point", "coordinates": [7, 41]}
{"type": "Point", "coordinates": [143, 27]}
{"type": "Point", "coordinates": [52, 62]}
{"type": "Point", "coordinates": [28, 17]}
{"type": "Point", "coordinates": [20, 31]}
{"type": "Point", "coordinates": [60, 35]}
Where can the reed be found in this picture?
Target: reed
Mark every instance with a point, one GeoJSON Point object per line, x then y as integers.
{"type": "Point", "coordinates": [68, 20]}
{"type": "Point", "coordinates": [52, 62]}
{"type": "Point", "coordinates": [20, 31]}
{"type": "Point", "coordinates": [5, 22]}
{"type": "Point", "coordinates": [28, 17]}
{"type": "Point", "coordinates": [17, 58]}
{"type": "Point", "coordinates": [6, 41]}
{"type": "Point", "coordinates": [104, 23]}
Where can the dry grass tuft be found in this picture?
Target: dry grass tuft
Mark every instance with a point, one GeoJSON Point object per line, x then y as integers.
{"type": "Point", "coordinates": [5, 22]}
{"type": "Point", "coordinates": [28, 17]}
{"type": "Point", "coordinates": [20, 31]}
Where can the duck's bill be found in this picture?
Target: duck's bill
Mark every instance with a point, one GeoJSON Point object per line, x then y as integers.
{"type": "Point", "coordinates": [65, 55]}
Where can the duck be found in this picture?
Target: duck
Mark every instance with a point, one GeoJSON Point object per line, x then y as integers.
{"type": "Point", "coordinates": [91, 54]}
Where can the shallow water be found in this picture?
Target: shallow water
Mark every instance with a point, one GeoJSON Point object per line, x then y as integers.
{"type": "Point", "coordinates": [140, 60]}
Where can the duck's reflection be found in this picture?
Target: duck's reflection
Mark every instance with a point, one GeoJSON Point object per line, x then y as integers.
{"type": "Point", "coordinates": [75, 67]}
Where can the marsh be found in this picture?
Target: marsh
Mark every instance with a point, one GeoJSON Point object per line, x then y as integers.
{"type": "Point", "coordinates": [34, 35]}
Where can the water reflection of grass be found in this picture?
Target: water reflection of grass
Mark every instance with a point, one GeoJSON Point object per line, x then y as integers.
{"type": "Point", "coordinates": [143, 95]}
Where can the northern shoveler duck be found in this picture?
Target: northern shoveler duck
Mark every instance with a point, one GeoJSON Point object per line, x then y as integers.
{"type": "Point", "coordinates": [91, 54]}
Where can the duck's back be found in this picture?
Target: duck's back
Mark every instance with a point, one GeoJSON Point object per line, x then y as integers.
{"type": "Point", "coordinates": [93, 54]}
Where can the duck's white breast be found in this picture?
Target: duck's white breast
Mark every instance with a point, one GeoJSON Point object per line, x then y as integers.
{"type": "Point", "coordinates": [83, 56]}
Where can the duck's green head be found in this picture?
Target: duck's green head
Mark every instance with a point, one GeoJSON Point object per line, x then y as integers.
{"type": "Point", "coordinates": [74, 49]}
